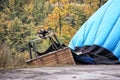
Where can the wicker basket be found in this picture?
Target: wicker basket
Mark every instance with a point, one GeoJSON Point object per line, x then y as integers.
{"type": "Point", "coordinates": [54, 58]}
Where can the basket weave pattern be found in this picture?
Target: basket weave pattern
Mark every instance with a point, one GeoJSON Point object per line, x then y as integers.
{"type": "Point", "coordinates": [54, 58]}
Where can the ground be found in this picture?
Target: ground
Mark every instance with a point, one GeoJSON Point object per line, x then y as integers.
{"type": "Point", "coordinates": [79, 72]}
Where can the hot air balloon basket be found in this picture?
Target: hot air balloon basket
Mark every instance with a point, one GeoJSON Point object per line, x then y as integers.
{"type": "Point", "coordinates": [54, 58]}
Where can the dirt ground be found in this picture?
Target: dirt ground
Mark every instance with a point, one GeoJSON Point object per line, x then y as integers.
{"type": "Point", "coordinates": [79, 72]}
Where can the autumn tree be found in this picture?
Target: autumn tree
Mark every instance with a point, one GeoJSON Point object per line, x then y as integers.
{"type": "Point", "coordinates": [15, 25]}
{"type": "Point", "coordinates": [65, 19]}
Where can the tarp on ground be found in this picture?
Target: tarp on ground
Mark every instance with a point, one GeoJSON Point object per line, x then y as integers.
{"type": "Point", "coordinates": [101, 29]}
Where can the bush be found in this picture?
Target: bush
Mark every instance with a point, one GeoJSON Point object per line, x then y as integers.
{"type": "Point", "coordinates": [10, 60]}
{"type": "Point", "coordinates": [5, 55]}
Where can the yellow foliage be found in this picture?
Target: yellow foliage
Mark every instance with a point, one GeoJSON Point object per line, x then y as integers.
{"type": "Point", "coordinates": [88, 10]}
{"type": "Point", "coordinates": [29, 7]}
{"type": "Point", "coordinates": [67, 33]}
{"type": "Point", "coordinates": [66, 6]}
{"type": "Point", "coordinates": [51, 21]}
{"type": "Point", "coordinates": [52, 1]}
{"type": "Point", "coordinates": [64, 1]}
{"type": "Point", "coordinates": [11, 3]}
{"type": "Point", "coordinates": [68, 30]}
{"type": "Point", "coordinates": [93, 4]}
{"type": "Point", "coordinates": [56, 10]}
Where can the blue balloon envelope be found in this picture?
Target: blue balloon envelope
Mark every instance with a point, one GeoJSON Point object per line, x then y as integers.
{"type": "Point", "coordinates": [102, 29]}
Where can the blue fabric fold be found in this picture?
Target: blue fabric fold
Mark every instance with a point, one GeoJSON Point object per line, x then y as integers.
{"type": "Point", "coordinates": [102, 29]}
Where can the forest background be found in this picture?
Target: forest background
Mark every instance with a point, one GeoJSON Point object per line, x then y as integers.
{"type": "Point", "coordinates": [20, 20]}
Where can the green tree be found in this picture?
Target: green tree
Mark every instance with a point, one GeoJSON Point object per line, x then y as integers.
{"type": "Point", "coordinates": [15, 26]}
{"type": "Point", "coordinates": [41, 11]}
